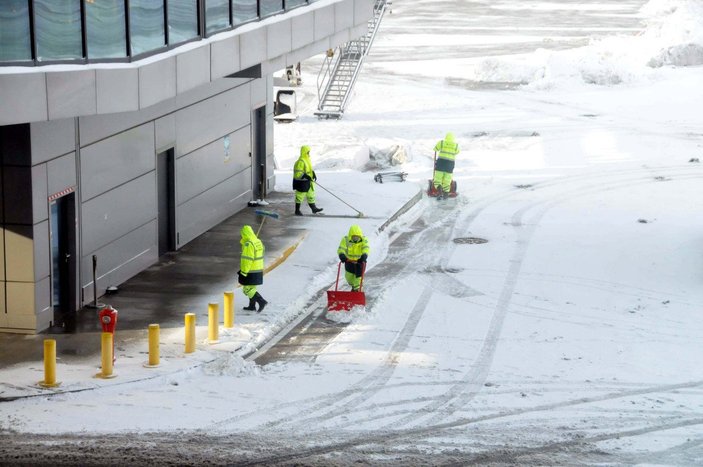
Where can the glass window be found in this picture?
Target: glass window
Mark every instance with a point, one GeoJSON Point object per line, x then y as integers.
{"type": "Point", "coordinates": [146, 25]}
{"type": "Point", "coordinates": [58, 29]}
{"type": "Point", "coordinates": [106, 29]}
{"type": "Point", "coordinates": [269, 7]}
{"type": "Point", "coordinates": [182, 20]}
{"type": "Point", "coordinates": [294, 3]}
{"type": "Point", "coordinates": [216, 15]}
{"type": "Point", "coordinates": [15, 42]}
{"type": "Point", "coordinates": [243, 11]}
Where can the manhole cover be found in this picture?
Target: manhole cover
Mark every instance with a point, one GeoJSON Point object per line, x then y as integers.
{"type": "Point", "coordinates": [470, 240]}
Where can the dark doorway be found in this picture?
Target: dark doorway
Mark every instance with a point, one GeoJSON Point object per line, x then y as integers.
{"type": "Point", "coordinates": [63, 258]}
{"type": "Point", "coordinates": [166, 201]}
{"type": "Point", "coordinates": [259, 160]}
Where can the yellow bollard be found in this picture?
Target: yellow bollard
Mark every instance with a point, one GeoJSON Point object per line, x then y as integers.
{"type": "Point", "coordinates": [153, 346]}
{"type": "Point", "coordinates": [190, 332]}
{"type": "Point", "coordinates": [106, 354]}
{"type": "Point", "coordinates": [229, 309]}
{"type": "Point", "coordinates": [213, 317]}
{"type": "Point", "coordinates": [49, 364]}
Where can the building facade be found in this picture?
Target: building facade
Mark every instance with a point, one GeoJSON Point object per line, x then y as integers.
{"type": "Point", "coordinates": [127, 132]}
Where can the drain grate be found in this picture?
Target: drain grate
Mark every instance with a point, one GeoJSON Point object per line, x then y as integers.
{"type": "Point", "coordinates": [470, 240]}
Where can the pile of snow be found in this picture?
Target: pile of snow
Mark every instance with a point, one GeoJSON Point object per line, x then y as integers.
{"type": "Point", "coordinates": [387, 157]}
{"type": "Point", "coordinates": [673, 36]}
{"type": "Point", "coordinates": [230, 364]}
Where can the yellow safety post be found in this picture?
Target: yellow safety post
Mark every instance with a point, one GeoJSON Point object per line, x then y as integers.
{"type": "Point", "coordinates": [229, 309]}
{"type": "Point", "coordinates": [190, 332]}
{"type": "Point", "coordinates": [106, 354]}
{"type": "Point", "coordinates": [213, 318]}
{"type": "Point", "coordinates": [153, 346]}
{"type": "Point", "coordinates": [49, 364]}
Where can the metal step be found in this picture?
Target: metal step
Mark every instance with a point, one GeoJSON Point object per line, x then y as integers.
{"type": "Point", "coordinates": [337, 77]}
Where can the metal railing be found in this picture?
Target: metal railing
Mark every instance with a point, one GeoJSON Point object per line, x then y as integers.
{"type": "Point", "coordinates": [340, 69]}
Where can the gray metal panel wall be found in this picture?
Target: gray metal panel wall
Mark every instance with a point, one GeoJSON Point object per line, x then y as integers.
{"type": "Point", "coordinates": [95, 128]}
{"type": "Point", "coordinates": [192, 69]}
{"type": "Point", "coordinates": [119, 260]}
{"type": "Point", "coordinates": [117, 212]}
{"type": "Point", "coordinates": [52, 139]}
{"type": "Point", "coordinates": [206, 121]}
{"type": "Point", "coordinates": [33, 94]}
{"type": "Point", "coordinates": [210, 165]}
{"type": "Point", "coordinates": [212, 207]}
{"type": "Point", "coordinates": [71, 93]}
{"type": "Point", "coordinates": [61, 173]}
{"type": "Point", "coordinates": [117, 160]}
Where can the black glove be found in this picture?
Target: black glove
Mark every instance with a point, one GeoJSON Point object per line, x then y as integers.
{"type": "Point", "coordinates": [306, 177]}
{"type": "Point", "coordinates": [342, 257]}
{"type": "Point", "coordinates": [362, 258]}
{"type": "Point", "coordinates": [314, 176]}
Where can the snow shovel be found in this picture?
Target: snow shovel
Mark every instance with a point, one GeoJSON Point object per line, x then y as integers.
{"type": "Point", "coordinates": [345, 300]}
{"type": "Point", "coordinates": [434, 192]}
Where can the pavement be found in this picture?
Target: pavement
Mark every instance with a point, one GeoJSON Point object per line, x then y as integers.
{"type": "Point", "coordinates": [181, 282]}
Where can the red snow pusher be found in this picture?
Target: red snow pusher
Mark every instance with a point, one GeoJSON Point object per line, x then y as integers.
{"type": "Point", "coordinates": [345, 300]}
{"type": "Point", "coordinates": [434, 192]}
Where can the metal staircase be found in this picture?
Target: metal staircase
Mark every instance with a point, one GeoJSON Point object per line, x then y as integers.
{"type": "Point", "coordinates": [341, 68]}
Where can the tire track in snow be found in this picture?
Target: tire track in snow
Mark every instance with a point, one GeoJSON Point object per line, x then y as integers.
{"type": "Point", "coordinates": [464, 391]}
{"type": "Point", "coordinates": [348, 401]}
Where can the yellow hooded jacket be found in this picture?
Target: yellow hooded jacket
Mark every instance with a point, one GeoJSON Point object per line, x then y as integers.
{"type": "Point", "coordinates": [251, 263]}
{"type": "Point", "coordinates": [302, 171]}
{"type": "Point", "coordinates": [446, 150]}
{"type": "Point", "coordinates": [353, 250]}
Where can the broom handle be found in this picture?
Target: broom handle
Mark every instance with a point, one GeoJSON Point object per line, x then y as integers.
{"type": "Point", "coordinates": [328, 191]}
{"type": "Point", "coordinates": [263, 219]}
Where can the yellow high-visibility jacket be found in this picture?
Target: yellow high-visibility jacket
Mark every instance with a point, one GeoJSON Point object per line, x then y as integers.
{"type": "Point", "coordinates": [251, 263]}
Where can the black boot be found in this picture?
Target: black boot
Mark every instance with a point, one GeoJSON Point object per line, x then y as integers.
{"type": "Point", "coordinates": [297, 210]}
{"type": "Point", "coordinates": [260, 300]}
{"type": "Point", "coordinates": [252, 302]}
{"type": "Point", "coordinates": [440, 193]}
{"type": "Point", "coordinates": [314, 208]}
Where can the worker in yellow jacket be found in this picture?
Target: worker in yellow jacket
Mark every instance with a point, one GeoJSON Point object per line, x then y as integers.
{"type": "Point", "coordinates": [445, 155]}
{"type": "Point", "coordinates": [353, 251]}
{"type": "Point", "coordinates": [251, 268]}
{"type": "Point", "coordinates": [304, 178]}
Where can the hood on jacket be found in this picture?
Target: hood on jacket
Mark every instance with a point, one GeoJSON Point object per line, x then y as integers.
{"type": "Point", "coordinates": [304, 151]}
{"type": "Point", "coordinates": [355, 230]}
{"type": "Point", "coordinates": [449, 138]}
{"type": "Point", "coordinates": [247, 233]}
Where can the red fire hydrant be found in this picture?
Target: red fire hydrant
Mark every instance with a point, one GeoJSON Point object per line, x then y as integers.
{"type": "Point", "coordinates": [108, 320]}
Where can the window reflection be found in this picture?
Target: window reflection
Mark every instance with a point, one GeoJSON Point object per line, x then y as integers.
{"type": "Point", "coordinates": [293, 3]}
{"type": "Point", "coordinates": [269, 7]}
{"type": "Point", "coordinates": [146, 24]}
{"type": "Point", "coordinates": [216, 15]}
{"type": "Point", "coordinates": [14, 31]}
{"type": "Point", "coordinates": [105, 27]}
{"type": "Point", "coordinates": [182, 20]}
{"type": "Point", "coordinates": [243, 11]}
{"type": "Point", "coordinates": [58, 25]}
{"type": "Point", "coordinates": [58, 29]}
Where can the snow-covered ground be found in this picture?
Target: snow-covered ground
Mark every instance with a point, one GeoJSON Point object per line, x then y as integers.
{"type": "Point", "coordinates": [573, 335]}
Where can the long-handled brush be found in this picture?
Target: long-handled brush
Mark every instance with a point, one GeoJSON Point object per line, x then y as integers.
{"type": "Point", "coordinates": [264, 215]}
{"type": "Point", "coordinates": [361, 214]}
